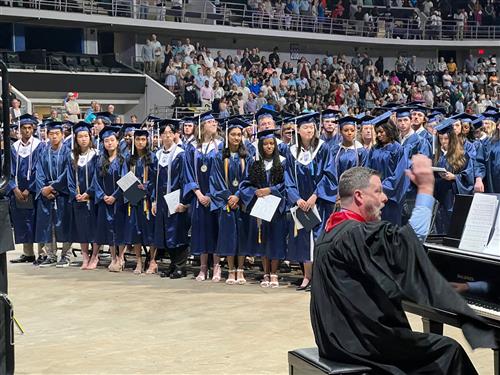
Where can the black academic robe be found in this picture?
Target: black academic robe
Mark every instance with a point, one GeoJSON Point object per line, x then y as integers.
{"type": "Point", "coordinates": [362, 272]}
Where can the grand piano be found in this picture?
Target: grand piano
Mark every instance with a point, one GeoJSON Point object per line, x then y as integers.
{"type": "Point", "coordinates": [464, 268]}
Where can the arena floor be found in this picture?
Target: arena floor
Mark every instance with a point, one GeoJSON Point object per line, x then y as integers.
{"type": "Point", "coordinates": [96, 322]}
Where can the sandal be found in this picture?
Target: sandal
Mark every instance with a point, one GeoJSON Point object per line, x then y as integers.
{"type": "Point", "coordinates": [152, 269]}
{"type": "Point", "coordinates": [231, 280]}
{"type": "Point", "coordinates": [241, 280]}
{"type": "Point", "coordinates": [217, 273]}
{"type": "Point", "coordinates": [265, 281]}
{"type": "Point", "coordinates": [202, 276]}
{"type": "Point", "coordinates": [274, 281]}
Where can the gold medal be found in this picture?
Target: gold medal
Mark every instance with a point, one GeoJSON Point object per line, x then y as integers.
{"type": "Point", "coordinates": [235, 183]}
{"type": "Point", "coordinates": [204, 168]}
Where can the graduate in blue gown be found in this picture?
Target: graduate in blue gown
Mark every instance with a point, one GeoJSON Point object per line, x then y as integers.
{"type": "Point", "coordinates": [53, 211]}
{"type": "Point", "coordinates": [22, 187]}
{"type": "Point", "coordinates": [265, 176]}
{"type": "Point", "coordinates": [459, 175]}
{"type": "Point", "coordinates": [127, 138]}
{"type": "Point", "coordinates": [329, 123]}
{"type": "Point", "coordinates": [111, 208]}
{"type": "Point", "coordinates": [199, 165]}
{"type": "Point", "coordinates": [228, 171]}
{"type": "Point", "coordinates": [68, 134]}
{"type": "Point", "coordinates": [492, 159]}
{"type": "Point", "coordinates": [413, 144]}
{"type": "Point", "coordinates": [458, 121]}
{"type": "Point", "coordinates": [419, 121]}
{"type": "Point", "coordinates": [349, 152]}
{"type": "Point", "coordinates": [311, 182]}
{"type": "Point", "coordinates": [102, 119]}
{"type": "Point", "coordinates": [171, 229]}
{"type": "Point", "coordinates": [187, 137]}
{"type": "Point", "coordinates": [139, 222]}
{"type": "Point", "coordinates": [266, 120]}
{"type": "Point", "coordinates": [81, 170]}
{"type": "Point", "coordinates": [389, 159]}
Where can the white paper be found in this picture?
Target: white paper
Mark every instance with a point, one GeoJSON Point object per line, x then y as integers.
{"type": "Point", "coordinates": [493, 247]}
{"type": "Point", "coordinates": [127, 181]}
{"type": "Point", "coordinates": [439, 169]}
{"type": "Point", "coordinates": [293, 211]}
{"type": "Point", "coordinates": [479, 223]}
{"type": "Point", "coordinates": [265, 207]}
{"type": "Point", "coordinates": [173, 199]}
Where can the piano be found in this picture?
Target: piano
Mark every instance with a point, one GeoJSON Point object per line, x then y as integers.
{"type": "Point", "coordinates": [462, 267]}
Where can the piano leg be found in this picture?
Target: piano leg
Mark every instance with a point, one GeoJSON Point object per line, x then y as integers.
{"type": "Point", "coordinates": [496, 362]}
{"type": "Point", "coordinates": [430, 326]}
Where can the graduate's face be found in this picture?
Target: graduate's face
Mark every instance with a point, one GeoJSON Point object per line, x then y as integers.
{"type": "Point", "coordinates": [382, 135]}
{"type": "Point", "coordinates": [348, 133]}
{"type": "Point", "coordinates": [99, 125]}
{"type": "Point", "coordinates": [404, 125]}
{"type": "Point", "coordinates": [26, 131]}
{"type": "Point", "coordinates": [444, 141]}
{"type": "Point", "coordinates": [306, 132]}
{"type": "Point", "coordinates": [234, 137]}
{"type": "Point", "coordinates": [329, 125]}
{"type": "Point", "coordinates": [417, 119]}
{"type": "Point", "coordinates": [210, 127]}
{"type": "Point", "coordinates": [465, 128]}
{"type": "Point", "coordinates": [188, 129]}
{"type": "Point", "coordinates": [83, 139]}
{"type": "Point", "coordinates": [430, 127]}
{"type": "Point", "coordinates": [55, 136]}
{"type": "Point", "coordinates": [268, 145]}
{"type": "Point", "coordinates": [167, 137]}
{"type": "Point", "coordinates": [372, 200]}
{"type": "Point", "coordinates": [128, 138]}
{"type": "Point", "coordinates": [266, 123]}
{"type": "Point", "coordinates": [111, 143]}
{"type": "Point", "coordinates": [141, 142]}
{"type": "Point", "coordinates": [457, 127]}
{"type": "Point", "coordinates": [287, 133]}
{"type": "Point", "coordinates": [367, 132]}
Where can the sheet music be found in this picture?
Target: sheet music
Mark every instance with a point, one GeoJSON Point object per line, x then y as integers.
{"type": "Point", "coordinates": [265, 207]}
{"type": "Point", "coordinates": [173, 199]}
{"type": "Point", "coordinates": [493, 247]}
{"type": "Point", "coordinates": [479, 223]}
{"type": "Point", "coordinates": [127, 181]}
{"type": "Point", "coordinates": [293, 211]}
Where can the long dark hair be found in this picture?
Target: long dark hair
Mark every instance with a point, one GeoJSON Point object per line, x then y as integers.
{"type": "Point", "coordinates": [135, 156]}
{"type": "Point", "coordinates": [257, 171]}
{"type": "Point", "coordinates": [242, 151]}
{"type": "Point", "coordinates": [105, 162]}
{"type": "Point", "coordinates": [390, 131]}
{"type": "Point", "coordinates": [77, 150]}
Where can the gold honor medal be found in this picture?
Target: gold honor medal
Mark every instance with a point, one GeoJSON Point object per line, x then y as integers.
{"type": "Point", "coordinates": [204, 168]}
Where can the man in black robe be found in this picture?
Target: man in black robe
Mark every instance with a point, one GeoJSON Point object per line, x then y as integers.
{"type": "Point", "coordinates": [364, 268]}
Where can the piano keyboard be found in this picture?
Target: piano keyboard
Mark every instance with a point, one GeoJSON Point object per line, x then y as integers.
{"type": "Point", "coordinates": [485, 310]}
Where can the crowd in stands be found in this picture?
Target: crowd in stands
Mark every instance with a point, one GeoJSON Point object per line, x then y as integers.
{"type": "Point", "coordinates": [242, 84]}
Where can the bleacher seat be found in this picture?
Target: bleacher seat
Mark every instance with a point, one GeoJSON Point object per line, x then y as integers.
{"type": "Point", "coordinates": [13, 61]}
{"type": "Point", "coordinates": [56, 62]}
{"type": "Point", "coordinates": [308, 362]}
{"type": "Point", "coordinates": [86, 64]}
{"type": "Point", "coordinates": [173, 12]}
{"type": "Point", "coordinates": [72, 62]}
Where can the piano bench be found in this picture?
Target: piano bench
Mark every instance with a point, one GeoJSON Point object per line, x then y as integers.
{"type": "Point", "coordinates": [308, 362]}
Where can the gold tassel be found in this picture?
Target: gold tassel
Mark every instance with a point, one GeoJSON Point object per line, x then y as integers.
{"type": "Point", "coordinates": [295, 231]}
{"type": "Point", "coordinates": [227, 208]}
{"type": "Point", "coordinates": [129, 210]}
{"type": "Point", "coordinates": [259, 226]}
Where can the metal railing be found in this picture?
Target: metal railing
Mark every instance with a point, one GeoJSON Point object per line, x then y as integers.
{"type": "Point", "coordinates": [239, 15]}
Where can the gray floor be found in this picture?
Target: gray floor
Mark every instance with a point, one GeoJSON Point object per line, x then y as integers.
{"type": "Point", "coordinates": [97, 322]}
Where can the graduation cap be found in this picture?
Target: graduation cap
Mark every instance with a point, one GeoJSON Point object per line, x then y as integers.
{"type": "Point", "coordinates": [440, 110]}
{"type": "Point", "coordinates": [464, 117]}
{"type": "Point", "coordinates": [306, 118]}
{"type": "Point", "coordinates": [348, 120]}
{"type": "Point", "coordinates": [419, 108]}
{"type": "Point", "coordinates": [445, 126]}
{"type": "Point", "coordinates": [81, 126]}
{"type": "Point", "coordinates": [266, 112]}
{"type": "Point", "coordinates": [490, 108]}
{"type": "Point", "coordinates": [330, 113]}
{"type": "Point", "coordinates": [128, 127]}
{"type": "Point", "coordinates": [380, 119]}
{"type": "Point", "coordinates": [364, 119]}
{"type": "Point", "coordinates": [402, 112]}
{"type": "Point", "coordinates": [235, 123]}
{"type": "Point", "coordinates": [266, 134]}
{"type": "Point", "coordinates": [108, 131]}
{"type": "Point", "coordinates": [478, 122]}
{"type": "Point", "coordinates": [27, 119]}
{"type": "Point", "coordinates": [173, 124]}
{"type": "Point", "coordinates": [141, 133]}
{"type": "Point", "coordinates": [188, 120]}
{"type": "Point", "coordinates": [106, 117]}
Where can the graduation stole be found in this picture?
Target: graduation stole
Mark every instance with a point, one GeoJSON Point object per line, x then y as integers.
{"type": "Point", "coordinates": [226, 175]}
{"type": "Point", "coordinates": [145, 205]}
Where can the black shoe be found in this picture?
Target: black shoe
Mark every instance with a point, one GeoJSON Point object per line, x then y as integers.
{"type": "Point", "coordinates": [49, 262]}
{"type": "Point", "coordinates": [308, 287]}
{"type": "Point", "coordinates": [39, 260]}
{"type": "Point", "coordinates": [304, 287]}
{"type": "Point", "coordinates": [24, 259]}
{"type": "Point", "coordinates": [177, 274]}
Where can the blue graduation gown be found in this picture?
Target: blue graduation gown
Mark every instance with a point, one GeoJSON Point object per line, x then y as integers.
{"type": "Point", "coordinates": [233, 224]}
{"type": "Point", "coordinates": [271, 242]}
{"type": "Point", "coordinates": [170, 231]}
{"type": "Point", "coordinates": [139, 222]}
{"type": "Point", "coordinates": [348, 157]}
{"type": "Point", "coordinates": [203, 220]}
{"type": "Point", "coordinates": [24, 160]}
{"type": "Point", "coordinates": [333, 141]}
{"type": "Point", "coordinates": [83, 214]}
{"type": "Point", "coordinates": [445, 191]}
{"type": "Point", "coordinates": [391, 162]}
{"type": "Point", "coordinates": [492, 166]}
{"type": "Point", "coordinates": [303, 177]}
{"type": "Point", "coordinates": [424, 134]}
{"type": "Point", "coordinates": [52, 170]}
{"type": "Point", "coordinates": [416, 144]}
{"type": "Point", "coordinates": [110, 218]}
